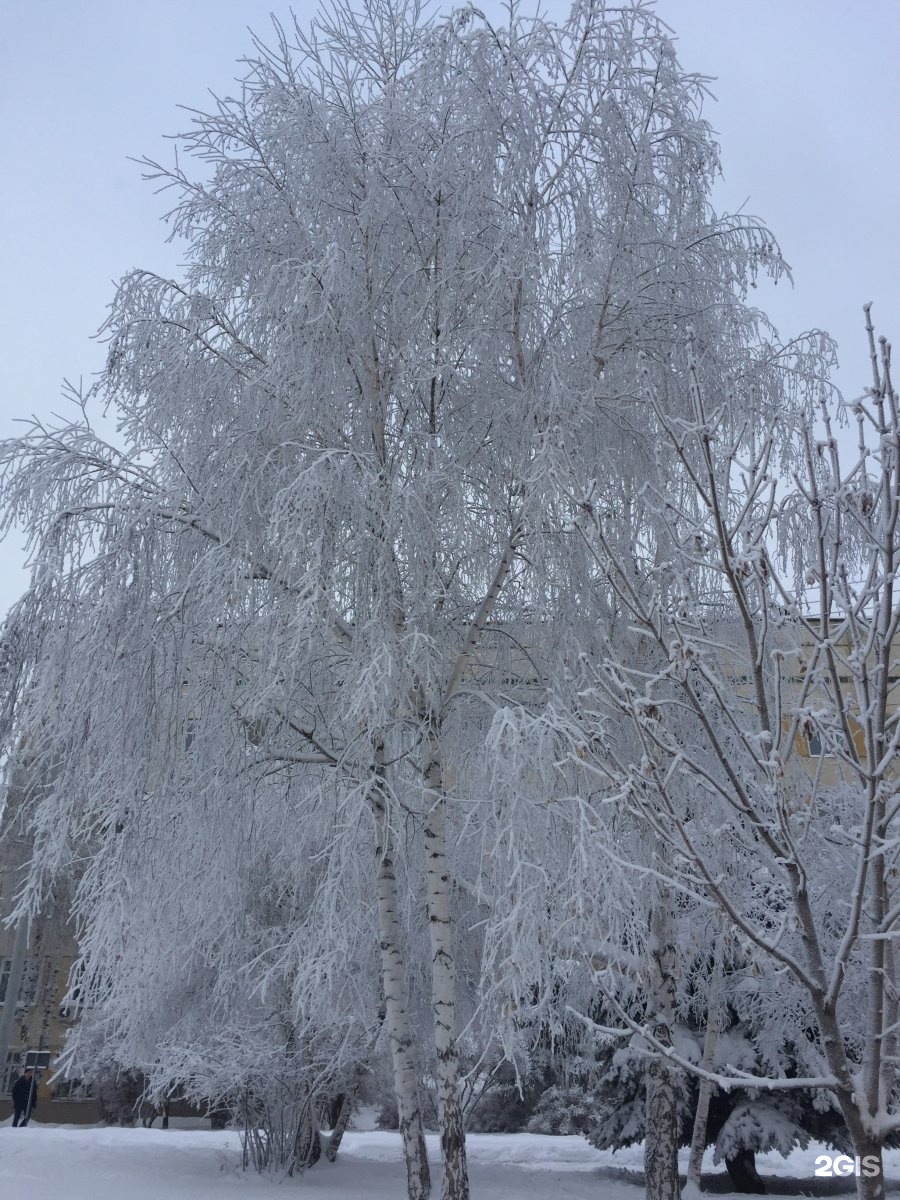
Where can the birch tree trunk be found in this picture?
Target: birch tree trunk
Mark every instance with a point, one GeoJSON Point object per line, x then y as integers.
{"type": "Point", "coordinates": [344, 1113]}
{"type": "Point", "coordinates": [705, 1093]}
{"type": "Point", "coordinates": [393, 971]}
{"type": "Point", "coordinates": [661, 1119]}
{"type": "Point", "coordinates": [443, 976]}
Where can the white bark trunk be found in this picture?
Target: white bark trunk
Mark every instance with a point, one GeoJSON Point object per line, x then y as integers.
{"type": "Point", "coordinates": [661, 1112]}
{"type": "Point", "coordinates": [342, 1121]}
{"type": "Point", "coordinates": [443, 978]}
{"type": "Point", "coordinates": [705, 1093]}
{"type": "Point", "coordinates": [403, 1056]}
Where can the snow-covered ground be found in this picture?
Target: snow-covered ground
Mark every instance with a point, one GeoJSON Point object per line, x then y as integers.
{"type": "Point", "coordinates": [47, 1162]}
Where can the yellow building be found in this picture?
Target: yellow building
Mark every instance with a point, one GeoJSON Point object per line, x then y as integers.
{"type": "Point", "coordinates": [42, 1015]}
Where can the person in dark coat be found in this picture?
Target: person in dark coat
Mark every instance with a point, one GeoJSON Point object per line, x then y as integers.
{"type": "Point", "coordinates": [24, 1095]}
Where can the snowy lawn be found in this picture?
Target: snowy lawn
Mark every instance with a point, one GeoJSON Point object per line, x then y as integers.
{"type": "Point", "coordinates": [43, 1162]}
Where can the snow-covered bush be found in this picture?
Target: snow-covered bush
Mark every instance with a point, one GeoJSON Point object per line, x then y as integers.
{"type": "Point", "coordinates": [117, 1093]}
{"type": "Point", "coordinates": [619, 1117]}
{"type": "Point", "coordinates": [564, 1109]}
{"type": "Point", "coordinates": [758, 1125]}
{"type": "Point", "coordinates": [505, 1105]}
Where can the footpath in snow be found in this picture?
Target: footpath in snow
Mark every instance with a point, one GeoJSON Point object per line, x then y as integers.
{"type": "Point", "coordinates": [53, 1161]}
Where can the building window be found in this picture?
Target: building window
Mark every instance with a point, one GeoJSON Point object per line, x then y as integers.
{"type": "Point", "coordinates": [73, 1001]}
{"type": "Point", "coordinates": [11, 1071]}
{"type": "Point", "coordinates": [70, 1089]}
{"type": "Point", "coordinates": [23, 999]}
{"type": "Point", "coordinates": [191, 725]}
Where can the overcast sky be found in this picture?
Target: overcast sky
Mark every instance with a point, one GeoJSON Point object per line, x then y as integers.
{"type": "Point", "coordinates": [806, 109]}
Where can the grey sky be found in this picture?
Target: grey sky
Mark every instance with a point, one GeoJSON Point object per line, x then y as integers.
{"type": "Point", "coordinates": [807, 106]}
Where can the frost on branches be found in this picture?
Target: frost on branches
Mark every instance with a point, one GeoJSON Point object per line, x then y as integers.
{"type": "Point", "coordinates": [728, 735]}
{"type": "Point", "coordinates": [301, 646]}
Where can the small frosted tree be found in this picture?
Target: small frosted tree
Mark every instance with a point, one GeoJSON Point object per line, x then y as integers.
{"type": "Point", "coordinates": [745, 715]}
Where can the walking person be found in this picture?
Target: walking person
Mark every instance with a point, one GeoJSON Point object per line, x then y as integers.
{"type": "Point", "coordinates": [24, 1096]}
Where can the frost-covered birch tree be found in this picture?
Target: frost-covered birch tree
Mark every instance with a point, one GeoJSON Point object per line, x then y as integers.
{"type": "Point", "coordinates": [425, 259]}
